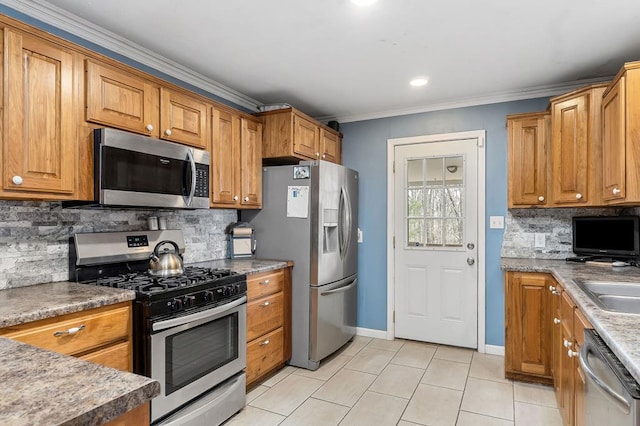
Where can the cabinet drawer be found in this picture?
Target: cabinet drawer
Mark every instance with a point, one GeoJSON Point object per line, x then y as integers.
{"type": "Point", "coordinates": [264, 315]}
{"type": "Point", "coordinates": [101, 326]}
{"type": "Point", "coordinates": [117, 356]}
{"type": "Point", "coordinates": [264, 353]}
{"type": "Point", "coordinates": [263, 284]}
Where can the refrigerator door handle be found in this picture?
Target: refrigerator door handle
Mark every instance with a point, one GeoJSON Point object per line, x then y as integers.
{"type": "Point", "coordinates": [344, 229]}
{"type": "Point", "coordinates": [340, 289]}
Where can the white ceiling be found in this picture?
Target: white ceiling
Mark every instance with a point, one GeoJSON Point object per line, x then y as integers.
{"type": "Point", "coordinates": [332, 59]}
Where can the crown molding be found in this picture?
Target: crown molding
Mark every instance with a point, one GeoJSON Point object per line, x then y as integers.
{"type": "Point", "coordinates": [62, 20]}
{"type": "Point", "coordinates": [518, 95]}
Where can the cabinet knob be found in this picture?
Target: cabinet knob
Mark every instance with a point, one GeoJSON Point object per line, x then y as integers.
{"type": "Point", "coordinates": [541, 198]}
{"type": "Point", "coordinates": [246, 199]}
{"type": "Point", "coordinates": [566, 343]}
{"type": "Point", "coordinates": [556, 321]}
{"type": "Point", "coordinates": [579, 196]}
{"type": "Point", "coordinates": [17, 180]}
{"type": "Point", "coordinates": [324, 155]}
{"type": "Point", "coordinates": [167, 132]}
{"type": "Point", "coordinates": [572, 353]}
{"type": "Point", "coordinates": [149, 127]}
{"type": "Point", "coordinates": [552, 288]}
{"type": "Point", "coordinates": [236, 198]}
{"type": "Point", "coordinates": [616, 191]}
{"type": "Point", "coordinates": [317, 154]}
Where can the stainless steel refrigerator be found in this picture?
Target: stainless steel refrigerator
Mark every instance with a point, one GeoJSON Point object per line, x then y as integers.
{"type": "Point", "coordinates": [310, 215]}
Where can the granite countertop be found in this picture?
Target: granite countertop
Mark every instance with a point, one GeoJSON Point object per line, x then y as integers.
{"type": "Point", "coordinates": [620, 331]}
{"type": "Point", "coordinates": [41, 387]}
{"type": "Point", "coordinates": [25, 304]}
{"type": "Point", "coordinates": [245, 266]}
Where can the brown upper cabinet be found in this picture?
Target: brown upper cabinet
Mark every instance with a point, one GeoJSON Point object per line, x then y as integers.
{"type": "Point", "coordinates": [236, 152]}
{"type": "Point", "coordinates": [527, 136]}
{"type": "Point", "coordinates": [290, 136]}
{"type": "Point", "coordinates": [118, 99]}
{"type": "Point", "coordinates": [39, 154]}
{"type": "Point", "coordinates": [183, 119]}
{"type": "Point", "coordinates": [121, 100]}
{"type": "Point", "coordinates": [621, 137]}
{"type": "Point", "coordinates": [576, 169]}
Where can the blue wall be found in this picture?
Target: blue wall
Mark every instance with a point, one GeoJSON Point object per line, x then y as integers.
{"type": "Point", "coordinates": [365, 149]}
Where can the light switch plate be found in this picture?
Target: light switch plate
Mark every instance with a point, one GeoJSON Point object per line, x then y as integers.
{"type": "Point", "coordinates": [496, 222]}
{"type": "Point", "coordinates": [539, 240]}
{"type": "Point", "coordinates": [360, 237]}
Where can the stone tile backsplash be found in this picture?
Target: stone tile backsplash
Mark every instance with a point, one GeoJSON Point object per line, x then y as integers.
{"type": "Point", "coordinates": [34, 236]}
{"type": "Point", "coordinates": [521, 225]}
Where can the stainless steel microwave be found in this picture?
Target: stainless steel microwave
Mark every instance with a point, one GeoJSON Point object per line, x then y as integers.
{"type": "Point", "coordinates": [136, 170]}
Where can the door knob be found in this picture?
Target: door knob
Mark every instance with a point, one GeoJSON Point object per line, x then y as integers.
{"type": "Point", "coordinates": [470, 260]}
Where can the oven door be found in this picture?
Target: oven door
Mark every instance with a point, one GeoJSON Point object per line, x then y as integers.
{"type": "Point", "coordinates": [191, 354]}
{"type": "Point", "coordinates": [136, 170]}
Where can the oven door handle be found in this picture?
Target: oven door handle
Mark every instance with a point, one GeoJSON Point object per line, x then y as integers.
{"type": "Point", "coordinates": [206, 314]}
{"type": "Point", "coordinates": [606, 389]}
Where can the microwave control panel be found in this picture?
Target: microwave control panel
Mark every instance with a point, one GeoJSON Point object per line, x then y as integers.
{"type": "Point", "coordinates": [202, 181]}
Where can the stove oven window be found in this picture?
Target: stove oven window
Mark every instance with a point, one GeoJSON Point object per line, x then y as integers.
{"type": "Point", "coordinates": [195, 352]}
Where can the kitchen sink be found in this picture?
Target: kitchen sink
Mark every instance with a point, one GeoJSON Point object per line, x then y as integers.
{"type": "Point", "coordinates": [614, 296]}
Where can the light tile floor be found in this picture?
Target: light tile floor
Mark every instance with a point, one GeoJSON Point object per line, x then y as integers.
{"type": "Point", "coordinates": [400, 382]}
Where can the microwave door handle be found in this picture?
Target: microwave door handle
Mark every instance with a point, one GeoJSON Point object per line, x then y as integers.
{"type": "Point", "coordinates": [192, 161]}
{"type": "Point", "coordinates": [607, 390]}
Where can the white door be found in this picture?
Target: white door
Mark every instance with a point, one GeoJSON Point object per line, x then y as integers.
{"type": "Point", "coordinates": [435, 228]}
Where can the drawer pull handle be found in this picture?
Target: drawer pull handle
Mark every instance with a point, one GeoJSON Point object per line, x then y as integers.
{"type": "Point", "coordinates": [264, 305]}
{"type": "Point", "coordinates": [265, 282]}
{"type": "Point", "coordinates": [73, 330]}
{"type": "Point", "coordinates": [265, 343]}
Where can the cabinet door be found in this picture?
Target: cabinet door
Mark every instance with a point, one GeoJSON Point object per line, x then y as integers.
{"type": "Point", "coordinates": [557, 347]}
{"type": "Point", "coordinates": [183, 119]}
{"type": "Point", "coordinates": [330, 146]}
{"type": "Point", "coordinates": [527, 145]}
{"type": "Point", "coordinates": [570, 150]}
{"type": "Point", "coordinates": [40, 131]}
{"type": "Point", "coordinates": [251, 163]}
{"type": "Point", "coordinates": [225, 158]}
{"type": "Point", "coordinates": [120, 100]}
{"type": "Point", "coordinates": [527, 325]}
{"type": "Point", "coordinates": [567, 389]}
{"type": "Point", "coordinates": [306, 138]}
{"type": "Point", "coordinates": [613, 143]}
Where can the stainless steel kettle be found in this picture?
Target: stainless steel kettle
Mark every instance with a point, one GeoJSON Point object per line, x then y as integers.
{"type": "Point", "coordinates": [166, 264]}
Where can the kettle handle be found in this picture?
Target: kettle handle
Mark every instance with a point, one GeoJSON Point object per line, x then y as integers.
{"type": "Point", "coordinates": [173, 243]}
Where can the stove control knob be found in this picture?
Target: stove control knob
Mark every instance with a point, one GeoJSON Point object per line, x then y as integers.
{"type": "Point", "coordinates": [236, 288]}
{"type": "Point", "coordinates": [226, 291]}
{"type": "Point", "coordinates": [208, 296]}
{"type": "Point", "coordinates": [176, 305]}
{"type": "Point", "coordinates": [189, 301]}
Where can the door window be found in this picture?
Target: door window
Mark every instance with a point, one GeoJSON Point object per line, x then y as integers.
{"type": "Point", "coordinates": [434, 194]}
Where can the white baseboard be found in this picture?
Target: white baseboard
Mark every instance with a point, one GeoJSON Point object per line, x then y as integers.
{"type": "Point", "coordinates": [494, 350]}
{"type": "Point", "coordinates": [371, 332]}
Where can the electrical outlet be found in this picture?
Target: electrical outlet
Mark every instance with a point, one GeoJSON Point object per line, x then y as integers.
{"type": "Point", "coordinates": [539, 240]}
{"type": "Point", "coordinates": [496, 222]}
{"type": "Point", "coordinates": [360, 238]}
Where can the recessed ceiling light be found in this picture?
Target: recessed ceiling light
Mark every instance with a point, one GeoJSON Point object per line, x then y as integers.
{"type": "Point", "coordinates": [418, 82]}
{"type": "Point", "coordinates": [363, 2]}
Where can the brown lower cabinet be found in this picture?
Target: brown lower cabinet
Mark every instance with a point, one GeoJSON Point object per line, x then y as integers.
{"type": "Point", "coordinates": [539, 311]}
{"type": "Point", "coordinates": [268, 323]}
{"type": "Point", "coordinates": [105, 339]}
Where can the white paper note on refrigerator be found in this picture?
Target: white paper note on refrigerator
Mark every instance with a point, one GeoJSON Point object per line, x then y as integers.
{"type": "Point", "coordinates": [298, 201]}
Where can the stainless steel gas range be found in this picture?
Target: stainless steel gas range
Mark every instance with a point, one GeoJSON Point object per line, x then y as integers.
{"type": "Point", "coordinates": [189, 330]}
